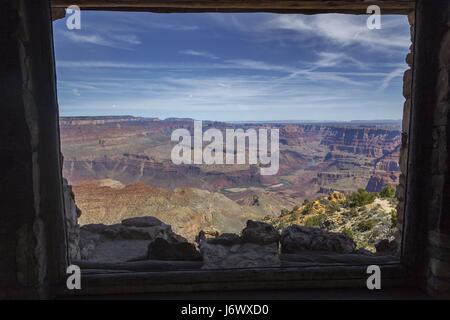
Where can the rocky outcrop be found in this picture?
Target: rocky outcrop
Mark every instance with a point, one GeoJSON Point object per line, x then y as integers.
{"type": "Point", "coordinates": [259, 233]}
{"type": "Point", "coordinates": [226, 239]}
{"type": "Point", "coordinates": [187, 210]}
{"type": "Point", "coordinates": [131, 240]}
{"type": "Point", "coordinates": [380, 179]}
{"type": "Point", "coordinates": [257, 247]}
{"type": "Point", "coordinates": [162, 249]}
{"type": "Point", "coordinates": [72, 213]}
{"type": "Point", "coordinates": [295, 239]}
{"type": "Point", "coordinates": [372, 141]}
{"type": "Point", "coordinates": [386, 247]}
{"type": "Point", "coordinates": [244, 255]}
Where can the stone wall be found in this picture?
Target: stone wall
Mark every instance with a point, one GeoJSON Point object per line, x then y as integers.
{"type": "Point", "coordinates": [72, 213]}
{"type": "Point", "coordinates": [407, 93]}
{"type": "Point", "coordinates": [426, 225]}
{"type": "Point", "coordinates": [438, 276]}
{"type": "Point", "coordinates": [31, 220]}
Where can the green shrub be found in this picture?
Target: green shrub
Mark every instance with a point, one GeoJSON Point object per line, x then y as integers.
{"type": "Point", "coordinates": [333, 207]}
{"type": "Point", "coordinates": [317, 221]}
{"type": "Point", "coordinates": [307, 208]}
{"type": "Point", "coordinates": [361, 198]}
{"type": "Point", "coordinates": [348, 232]}
{"type": "Point", "coordinates": [366, 225]}
{"type": "Point", "coordinates": [394, 218]}
{"type": "Point", "coordinates": [387, 192]}
{"type": "Point", "coordinates": [351, 213]}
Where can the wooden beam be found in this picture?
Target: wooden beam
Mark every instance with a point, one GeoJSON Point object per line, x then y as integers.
{"type": "Point", "coordinates": [277, 6]}
{"type": "Point", "coordinates": [307, 277]}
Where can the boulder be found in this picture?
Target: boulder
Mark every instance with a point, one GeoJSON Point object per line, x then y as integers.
{"type": "Point", "coordinates": [162, 249]}
{"type": "Point", "coordinates": [259, 233]}
{"type": "Point", "coordinates": [225, 239]}
{"type": "Point", "coordinates": [129, 232]}
{"type": "Point", "coordinates": [386, 247]}
{"type": "Point", "coordinates": [88, 243]}
{"type": "Point", "coordinates": [244, 255]}
{"type": "Point", "coordinates": [206, 235]}
{"type": "Point", "coordinates": [295, 239]}
{"type": "Point", "coordinates": [142, 222]}
{"type": "Point", "coordinates": [130, 240]}
{"type": "Point", "coordinates": [94, 227]}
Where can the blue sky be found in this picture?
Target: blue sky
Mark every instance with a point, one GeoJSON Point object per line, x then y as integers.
{"type": "Point", "coordinates": [231, 67]}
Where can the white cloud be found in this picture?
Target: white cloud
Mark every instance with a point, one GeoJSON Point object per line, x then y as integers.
{"type": "Point", "coordinates": [87, 38]}
{"type": "Point", "coordinates": [117, 41]}
{"type": "Point", "coordinates": [127, 38]}
{"type": "Point", "coordinates": [343, 30]}
{"type": "Point", "coordinates": [396, 73]}
{"type": "Point", "coordinates": [196, 53]}
{"type": "Point", "coordinates": [332, 59]}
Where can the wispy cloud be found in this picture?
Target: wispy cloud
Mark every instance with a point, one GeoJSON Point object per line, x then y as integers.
{"type": "Point", "coordinates": [341, 29]}
{"type": "Point", "coordinates": [117, 41]}
{"type": "Point", "coordinates": [127, 38]}
{"type": "Point", "coordinates": [278, 72]}
{"type": "Point", "coordinates": [202, 54]}
{"type": "Point", "coordinates": [333, 59]}
{"type": "Point", "coordinates": [396, 73]}
{"type": "Point", "coordinates": [87, 38]}
{"type": "Point", "coordinates": [251, 66]}
{"type": "Point", "coordinates": [170, 26]}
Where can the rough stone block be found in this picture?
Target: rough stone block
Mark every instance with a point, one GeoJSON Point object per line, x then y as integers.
{"type": "Point", "coordinates": [245, 255]}
{"type": "Point", "coordinates": [407, 81]}
{"type": "Point", "coordinates": [296, 239]}
{"type": "Point", "coordinates": [406, 115]}
{"type": "Point", "coordinates": [400, 191]}
{"type": "Point", "coordinates": [410, 59]}
{"type": "Point", "coordinates": [259, 233]}
{"type": "Point", "coordinates": [412, 18]}
{"type": "Point", "coordinates": [403, 160]}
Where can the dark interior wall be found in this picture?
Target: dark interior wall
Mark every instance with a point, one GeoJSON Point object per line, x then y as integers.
{"type": "Point", "coordinates": [31, 233]}
{"type": "Point", "coordinates": [427, 231]}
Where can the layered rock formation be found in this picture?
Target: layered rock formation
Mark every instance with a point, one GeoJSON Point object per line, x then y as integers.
{"type": "Point", "coordinates": [120, 168]}
{"type": "Point", "coordinates": [188, 210]}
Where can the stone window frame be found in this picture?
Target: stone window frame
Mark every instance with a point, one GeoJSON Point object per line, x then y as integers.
{"type": "Point", "coordinates": [408, 272]}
